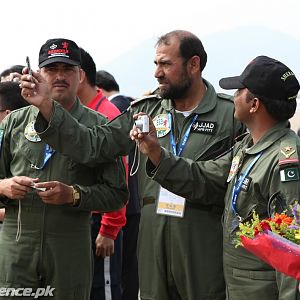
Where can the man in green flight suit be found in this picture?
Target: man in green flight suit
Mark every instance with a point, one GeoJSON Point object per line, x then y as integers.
{"type": "Point", "coordinates": [262, 171]}
{"type": "Point", "coordinates": [180, 252]}
{"type": "Point", "coordinates": [45, 238]}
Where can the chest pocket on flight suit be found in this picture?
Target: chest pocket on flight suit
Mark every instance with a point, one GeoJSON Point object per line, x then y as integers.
{"type": "Point", "coordinates": [27, 152]}
{"type": "Point", "coordinates": [215, 149]}
{"type": "Point", "coordinates": [252, 199]}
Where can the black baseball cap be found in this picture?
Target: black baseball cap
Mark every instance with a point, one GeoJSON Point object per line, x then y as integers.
{"type": "Point", "coordinates": [266, 77]}
{"type": "Point", "coordinates": [59, 50]}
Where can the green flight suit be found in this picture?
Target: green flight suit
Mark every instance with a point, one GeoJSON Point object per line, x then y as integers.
{"type": "Point", "coordinates": [54, 247]}
{"type": "Point", "coordinates": [247, 277]}
{"type": "Point", "coordinates": [179, 258]}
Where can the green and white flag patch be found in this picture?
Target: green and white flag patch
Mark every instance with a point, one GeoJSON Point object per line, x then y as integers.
{"type": "Point", "coordinates": [289, 174]}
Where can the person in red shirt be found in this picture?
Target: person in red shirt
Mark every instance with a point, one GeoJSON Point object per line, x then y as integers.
{"type": "Point", "coordinates": [130, 281]}
{"type": "Point", "coordinates": [106, 228]}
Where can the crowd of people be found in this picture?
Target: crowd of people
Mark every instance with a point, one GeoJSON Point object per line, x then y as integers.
{"type": "Point", "coordinates": [76, 218]}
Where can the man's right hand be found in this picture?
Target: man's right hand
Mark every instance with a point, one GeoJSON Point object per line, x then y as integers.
{"type": "Point", "coordinates": [35, 91]}
{"type": "Point", "coordinates": [16, 187]}
{"type": "Point", "coordinates": [147, 142]}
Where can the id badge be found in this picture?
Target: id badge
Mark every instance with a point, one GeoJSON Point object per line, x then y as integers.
{"type": "Point", "coordinates": [170, 204]}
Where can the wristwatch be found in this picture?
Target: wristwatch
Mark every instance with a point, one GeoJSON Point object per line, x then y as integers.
{"type": "Point", "coordinates": [76, 195]}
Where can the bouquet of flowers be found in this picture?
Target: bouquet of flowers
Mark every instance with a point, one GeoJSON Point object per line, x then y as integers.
{"type": "Point", "coordinates": [274, 240]}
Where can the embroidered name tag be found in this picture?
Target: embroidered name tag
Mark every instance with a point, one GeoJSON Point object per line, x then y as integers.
{"type": "Point", "coordinates": [206, 127]}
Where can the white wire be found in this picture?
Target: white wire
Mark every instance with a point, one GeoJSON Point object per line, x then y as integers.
{"type": "Point", "coordinates": [131, 173]}
{"type": "Point", "coordinates": [19, 231]}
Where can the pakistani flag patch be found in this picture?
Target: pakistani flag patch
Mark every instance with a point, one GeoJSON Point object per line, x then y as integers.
{"type": "Point", "coordinates": [289, 174]}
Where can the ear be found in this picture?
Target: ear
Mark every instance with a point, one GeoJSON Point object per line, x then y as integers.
{"type": "Point", "coordinates": [194, 63]}
{"type": "Point", "coordinates": [255, 105]}
{"type": "Point", "coordinates": [82, 76]}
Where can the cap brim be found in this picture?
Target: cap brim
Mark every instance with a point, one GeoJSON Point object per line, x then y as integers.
{"type": "Point", "coordinates": [59, 59]}
{"type": "Point", "coordinates": [231, 83]}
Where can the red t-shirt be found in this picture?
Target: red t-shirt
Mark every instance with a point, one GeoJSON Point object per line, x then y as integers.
{"type": "Point", "coordinates": [112, 222]}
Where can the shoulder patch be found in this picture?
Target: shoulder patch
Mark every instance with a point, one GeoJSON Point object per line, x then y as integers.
{"type": "Point", "coordinates": [225, 97]}
{"type": "Point", "coordinates": [288, 153]}
{"type": "Point", "coordinates": [146, 98]}
{"type": "Point", "coordinates": [289, 174]}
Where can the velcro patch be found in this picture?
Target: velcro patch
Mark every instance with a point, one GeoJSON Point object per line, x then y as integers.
{"type": "Point", "coordinates": [289, 174]}
{"type": "Point", "coordinates": [206, 127]}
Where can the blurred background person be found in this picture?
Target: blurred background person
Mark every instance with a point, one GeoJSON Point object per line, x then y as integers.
{"type": "Point", "coordinates": [106, 228]}
{"type": "Point", "coordinates": [130, 282]}
{"type": "Point", "coordinates": [10, 99]}
{"type": "Point", "coordinates": [5, 75]}
{"type": "Point", "coordinates": [110, 88]}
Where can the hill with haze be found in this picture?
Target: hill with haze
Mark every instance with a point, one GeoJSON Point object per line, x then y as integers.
{"type": "Point", "coordinates": [228, 53]}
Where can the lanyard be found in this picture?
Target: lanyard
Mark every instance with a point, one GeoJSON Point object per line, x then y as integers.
{"type": "Point", "coordinates": [47, 155]}
{"type": "Point", "coordinates": [185, 136]}
{"type": "Point", "coordinates": [238, 184]}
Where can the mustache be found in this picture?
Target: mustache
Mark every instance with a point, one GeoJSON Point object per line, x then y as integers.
{"type": "Point", "coordinates": [161, 80]}
{"type": "Point", "coordinates": [60, 82]}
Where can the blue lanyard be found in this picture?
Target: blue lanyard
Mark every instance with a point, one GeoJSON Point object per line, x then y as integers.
{"type": "Point", "coordinates": [184, 139]}
{"type": "Point", "coordinates": [47, 155]}
{"type": "Point", "coordinates": [238, 184]}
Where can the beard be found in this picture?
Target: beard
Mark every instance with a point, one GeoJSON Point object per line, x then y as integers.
{"type": "Point", "coordinates": [177, 91]}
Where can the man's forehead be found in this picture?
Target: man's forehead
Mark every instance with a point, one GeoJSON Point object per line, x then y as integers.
{"type": "Point", "coordinates": [166, 57]}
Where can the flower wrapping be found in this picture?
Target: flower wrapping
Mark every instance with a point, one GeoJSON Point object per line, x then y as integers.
{"type": "Point", "coordinates": [282, 254]}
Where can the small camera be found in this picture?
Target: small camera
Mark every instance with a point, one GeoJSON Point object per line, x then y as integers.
{"type": "Point", "coordinates": [142, 123]}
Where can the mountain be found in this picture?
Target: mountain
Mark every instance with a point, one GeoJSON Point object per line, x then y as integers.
{"type": "Point", "coordinates": [228, 53]}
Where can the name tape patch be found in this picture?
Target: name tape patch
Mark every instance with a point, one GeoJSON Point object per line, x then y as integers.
{"type": "Point", "coordinates": [206, 127]}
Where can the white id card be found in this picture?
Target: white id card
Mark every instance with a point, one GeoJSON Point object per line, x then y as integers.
{"type": "Point", "coordinates": [170, 204]}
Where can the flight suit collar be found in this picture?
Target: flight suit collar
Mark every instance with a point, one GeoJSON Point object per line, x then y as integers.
{"type": "Point", "coordinates": [268, 139]}
{"type": "Point", "coordinates": [207, 104]}
{"type": "Point", "coordinates": [35, 111]}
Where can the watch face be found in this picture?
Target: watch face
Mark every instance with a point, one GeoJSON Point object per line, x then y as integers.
{"type": "Point", "coordinates": [76, 194]}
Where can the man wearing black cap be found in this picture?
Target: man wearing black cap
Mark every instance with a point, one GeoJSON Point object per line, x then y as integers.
{"type": "Point", "coordinates": [261, 169]}
{"type": "Point", "coordinates": [179, 249]}
{"type": "Point", "coordinates": [45, 239]}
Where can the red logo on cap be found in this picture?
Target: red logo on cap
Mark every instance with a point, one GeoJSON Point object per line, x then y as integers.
{"type": "Point", "coordinates": [65, 45]}
{"type": "Point", "coordinates": [63, 51]}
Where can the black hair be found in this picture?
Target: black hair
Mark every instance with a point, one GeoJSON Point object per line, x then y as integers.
{"type": "Point", "coordinates": [106, 81]}
{"type": "Point", "coordinates": [88, 66]}
{"type": "Point", "coordinates": [280, 110]}
{"type": "Point", "coordinates": [10, 96]}
{"type": "Point", "coordinates": [190, 45]}
{"type": "Point", "coordinates": [12, 69]}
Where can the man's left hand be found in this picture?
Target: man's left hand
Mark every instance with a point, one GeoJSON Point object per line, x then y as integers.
{"type": "Point", "coordinates": [104, 246]}
{"type": "Point", "coordinates": [56, 193]}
